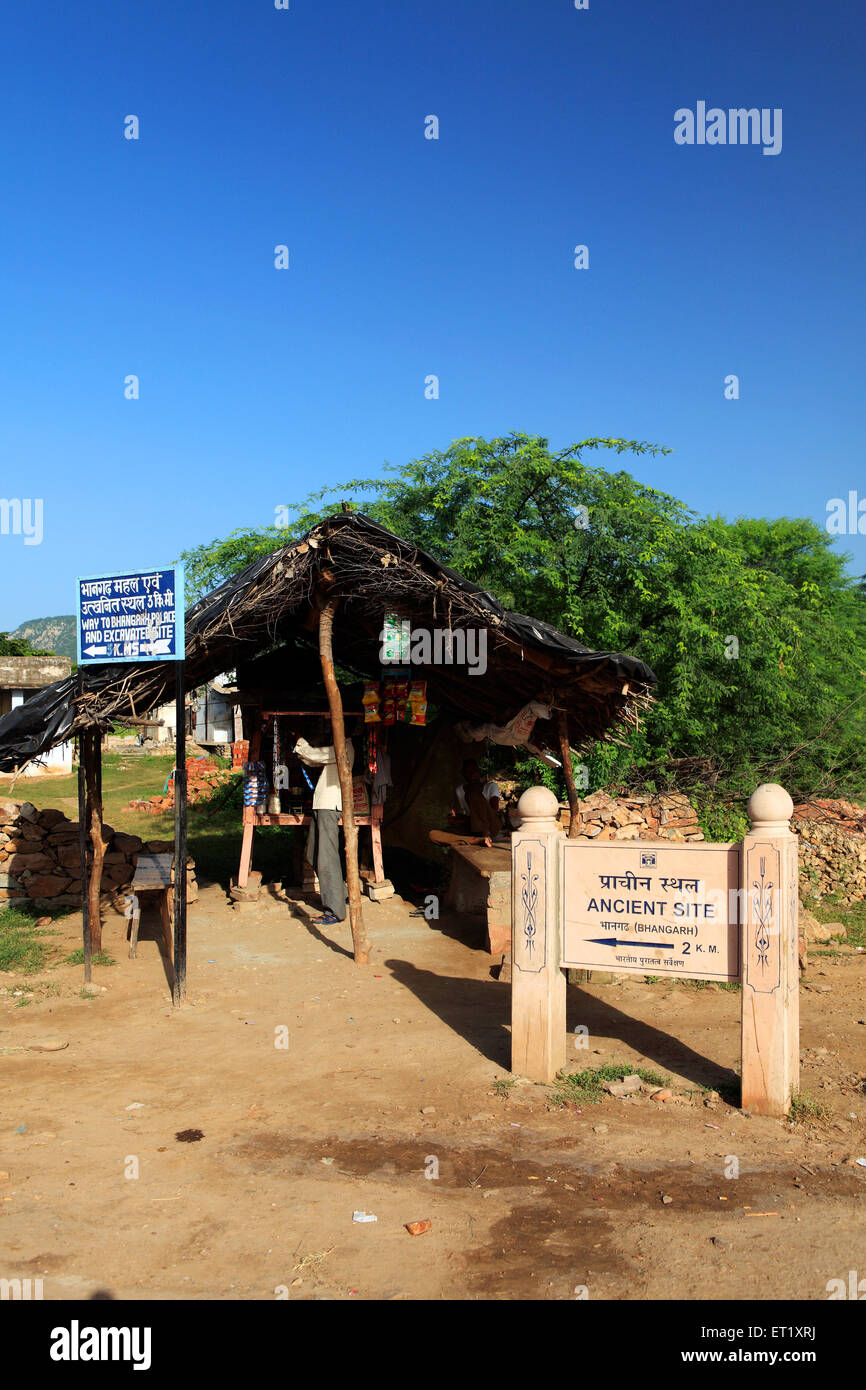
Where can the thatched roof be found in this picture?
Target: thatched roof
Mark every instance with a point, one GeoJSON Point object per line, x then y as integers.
{"type": "Point", "coordinates": [372, 572]}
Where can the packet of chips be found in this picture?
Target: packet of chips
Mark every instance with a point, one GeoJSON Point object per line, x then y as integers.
{"type": "Point", "coordinates": [417, 712]}
{"type": "Point", "coordinates": [371, 702]}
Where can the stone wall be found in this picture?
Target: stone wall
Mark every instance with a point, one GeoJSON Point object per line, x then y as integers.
{"type": "Point", "coordinates": [832, 838]}
{"type": "Point", "coordinates": [40, 861]}
{"type": "Point", "coordinates": [669, 816]}
{"type": "Point", "coordinates": [32, 672]}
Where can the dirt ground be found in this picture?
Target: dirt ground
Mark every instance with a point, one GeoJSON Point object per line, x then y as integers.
{"type": "Point", "coordinates": [530, 1201]}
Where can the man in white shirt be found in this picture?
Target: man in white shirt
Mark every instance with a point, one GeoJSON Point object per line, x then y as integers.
{"type": "Point", "coordinates": [323, 842]}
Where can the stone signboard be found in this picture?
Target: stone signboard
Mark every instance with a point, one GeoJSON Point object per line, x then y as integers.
{"type": "Point", "coordinates": [652, 909]}
{"type": "Point", "coordinates": [696, 911]}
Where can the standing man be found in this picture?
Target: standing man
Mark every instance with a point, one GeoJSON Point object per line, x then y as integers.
{"type": "Point", "coordinates": [323, 842]}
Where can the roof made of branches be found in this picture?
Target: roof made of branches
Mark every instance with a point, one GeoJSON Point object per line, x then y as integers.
{"type": "Point", "coordinates": [370, 572]}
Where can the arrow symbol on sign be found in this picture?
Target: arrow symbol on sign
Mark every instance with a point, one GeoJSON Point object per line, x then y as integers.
{"type": "Point", "coordinates": [612, 941]}
{"type": "Point", "coordinates": [163, 645]}
{"type": "Point", "coordinates": [97, 651]}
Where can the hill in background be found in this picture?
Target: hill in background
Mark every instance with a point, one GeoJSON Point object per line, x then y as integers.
{"type": "Point", "coordinates": [55, 635]}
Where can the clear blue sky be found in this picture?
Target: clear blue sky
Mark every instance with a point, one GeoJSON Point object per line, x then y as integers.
{"type": "Point", "coordinates": [412, 257]}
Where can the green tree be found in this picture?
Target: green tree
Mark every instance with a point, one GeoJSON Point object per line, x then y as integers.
{"type": "Point", "coordinates": [16, 646]}
{"type": "Point", "coordinates": [756, 632]}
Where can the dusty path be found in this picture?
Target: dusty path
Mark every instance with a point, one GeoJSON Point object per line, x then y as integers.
{"type": "Point", "coordinates": [389, 1071]}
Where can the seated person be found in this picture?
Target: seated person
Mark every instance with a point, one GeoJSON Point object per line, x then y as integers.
{"type": "Point", "coordinates": [479, 800]}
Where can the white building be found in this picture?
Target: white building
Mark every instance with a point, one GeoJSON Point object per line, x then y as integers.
{"type": "Point", "coordinates": [20, 678]}
{"type": "Point", "coordinates": [214, 719]}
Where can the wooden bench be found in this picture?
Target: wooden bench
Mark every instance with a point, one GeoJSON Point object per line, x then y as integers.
{"type": "Point", "coordinates": [153, 875]}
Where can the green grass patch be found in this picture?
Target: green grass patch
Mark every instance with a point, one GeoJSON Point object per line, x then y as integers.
{"type": "Point", "coordinates": [585, 1087]}
{"type": "Point", "coordinates": [23, 946]}
{"type": "Point", "coordinates": [99, 958]}
{"type": "Point", "coordinates": [804, 1109]}
{"type": "Point", "coordinates": [503, 1087]}
{"type": "Point", "coordinates": [728, 1091]}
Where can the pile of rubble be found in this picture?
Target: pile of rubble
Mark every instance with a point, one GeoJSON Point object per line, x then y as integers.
{"type": "Point", "coordinates": [846, 815]}
{"type": "Point", "coordinates": [202, 777]}
{"type": "Point", "coordinates": [832, 838]}
{"type": "Point", "coordinates": [812, 931]}
{"type": "Point", "coordinates": [40, 859]}
{"type": "Point", "coordinates": [668, 816]}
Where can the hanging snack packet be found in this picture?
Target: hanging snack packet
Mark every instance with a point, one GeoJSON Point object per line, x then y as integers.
{"type": "Point", "coordinates": [389, 708]}
{"type": "Point", "coordinates": [418, 702]}
{"type": "Point", "coordinates": [371, 703]}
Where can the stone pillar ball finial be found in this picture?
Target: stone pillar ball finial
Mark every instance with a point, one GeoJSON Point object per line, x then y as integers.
{"type": "Point", "coordinates": [770, 809]}
{"type": "Point", "coordinates": [537, 804]}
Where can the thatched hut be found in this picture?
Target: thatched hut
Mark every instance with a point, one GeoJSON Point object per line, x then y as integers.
{"type": "Point", "coordinates": [328, 594]}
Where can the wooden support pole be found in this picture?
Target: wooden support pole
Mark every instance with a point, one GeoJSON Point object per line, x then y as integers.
{"type": "Point", "coordinates": [575, 977]}
{"type": "Point", "coordinates": [249, 813]}
{"type": "Point", "coordinates": [91, 750]}
{"type": "Point", "coordinates": [538, 1043]}
{"type": "Point", "coordinates": [376, 840]}
{"type": "Point", "coordinates": [82, 845]}
{"type": "Point", "coordinates": [568, 773]}
{"type": "Point", "coordinates": [770, 1008]}
{"type": "Point", "coordinates": [350, 830]}
{"type": "Point", "coordinates": [178, 993]}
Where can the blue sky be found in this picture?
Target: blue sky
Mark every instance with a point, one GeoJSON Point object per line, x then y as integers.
{"type": "Point", "coordinates": [411, 257]}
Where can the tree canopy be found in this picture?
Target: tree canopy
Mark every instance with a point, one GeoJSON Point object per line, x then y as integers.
{"type": "Point", "coordinates": [753, 626]}
{"type": "Point", "coordinates": [16, 646]}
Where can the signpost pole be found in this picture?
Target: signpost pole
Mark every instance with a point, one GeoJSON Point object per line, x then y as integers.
{"type": "Point", "coordinates": [538, 1049]}
{"type": "Point", "coordinates": [82, 844]}
{"type": "Point", "coordinates": [770, 1017]}
{"type": "Point", "coordinates": [137, 615]}
{"type": "Point", "coordinates": [179, 985]}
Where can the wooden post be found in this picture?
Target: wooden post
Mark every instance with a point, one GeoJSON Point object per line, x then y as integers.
{"type": "Point", "coordinates": [90, 749]}
{"type": "Point", "coordinates": [82, 844]}
{"type": "Point", "coordinates": [178, 993]}
{"type": "Point", "coordinates": [575, 977]}
{"type": "Point", "coordinates": [350, 830]}
{"type": "Point", "coordinates": [376, 813]}
{"type": "Point", "coordinates": [770, 1018]}
{"type": "Point", "coordinates": [568, 773]}
{"type": "Point", "coordinates": [538, 1042]}
{"type": "Point", "coordinates": [249, 815]}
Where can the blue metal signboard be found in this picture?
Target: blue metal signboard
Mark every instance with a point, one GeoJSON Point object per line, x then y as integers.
{"type": "Point", "coordinates": [137, 615]}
